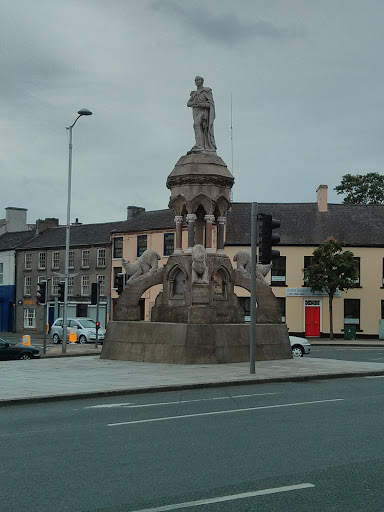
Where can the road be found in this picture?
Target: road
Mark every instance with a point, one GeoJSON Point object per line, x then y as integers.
{"type": "Point", "coordinates": [367, 354]}
{"type": "Point", "coordinates": [297, 447]}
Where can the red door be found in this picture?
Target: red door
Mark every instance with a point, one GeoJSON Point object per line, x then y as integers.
{"type": "Point", "coordinates": [312, 321]}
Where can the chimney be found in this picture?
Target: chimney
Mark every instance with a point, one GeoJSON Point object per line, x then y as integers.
{"type": "Point", "coordinates": [43, 224]}
{"type": "Point", "coordinates": [77, 223]}
{"type": "Point", "coordinates": [16, 219]}
{"type": "Point", "coordinates": [322, 199]}
{"type": "Point", "coordinates": [134, 210]}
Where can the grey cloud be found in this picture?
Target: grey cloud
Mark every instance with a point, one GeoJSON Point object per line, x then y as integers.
{"type": "Point", "coordinates": [227, 27]}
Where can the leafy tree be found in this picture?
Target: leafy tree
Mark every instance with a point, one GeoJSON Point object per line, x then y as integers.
{"type": "Point", "coordinates": [331, 269]}
{"type": "Point", "coordinates": [362, 188]}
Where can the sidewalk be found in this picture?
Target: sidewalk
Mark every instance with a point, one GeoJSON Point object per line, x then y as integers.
{"type": "Point", "coordinates": [52, 378]}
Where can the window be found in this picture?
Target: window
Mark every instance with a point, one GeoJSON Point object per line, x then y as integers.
{"type": "Point", "coordinates": [1, 273]}
{"type": "Point", "coordinates": [169, 244]}
{"type": "Point", "coordinates": [282, 303]}
{"type": "Point", "coordinates": [382, 309]}
{"type": "Point", "coordinates": [70, 286]}
{"type": "Point", "coordinates": [42, 260]}
{"type": "Point", "coordinates": [28, 261]}
{"type": "Point", "coordinates": [101, 258]}
{"type": "Point", "coordinates": [81, 310]}
{"type": "Point", "coordinates": [245, 302]}
{"type": "Point", "coordinates": [85, 258]}
{"type": "Point", "coordinates": [352, 312]}
{"type": "Point", "coordinates": [278, 271]}
{"type": "Point", "coordinates": [101, 281]}
{"type": "Point", "coordinates": [118, 247]}
{"type": "Point", "coordinates": [85, 286]}
{"type": "Point", "coordinates": [71, 259]}
{"type": "Point", "coordinates": [141, 244]}
{"type": "Point", "coordinates": [29, 318]}
{"type": "Point", "coordinates": [55, 260]}
{"type": "Point", "coordinates": [27, 285]}
{"type": "Point", "coordinates": [116, 270]}
{"type": "Point", "coordinates": [55, 285]}
{"type": "Point", "coordinates": [307, 261]}
{"type": "Point", "coordinates": [357, 280]}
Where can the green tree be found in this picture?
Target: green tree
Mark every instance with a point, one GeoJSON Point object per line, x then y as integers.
{"type": "Point", "coordinates": [331, 269]}
{"type": "Point", "coordinates": [362, 188]}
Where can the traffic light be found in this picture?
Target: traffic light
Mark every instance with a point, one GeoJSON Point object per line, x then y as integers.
{"type": "Point", "coordinates": [61, 291]}
{"type": "Point", "coordinates": [41, 294]}
{"type": "Point", "coordinates": [267, 239]}
{"type": "Point", "coordinates": [94, 293]}
{"type": "Point", "coordinates": [120, 283]}
{"type": "Point", "coordinates": [97, 326]}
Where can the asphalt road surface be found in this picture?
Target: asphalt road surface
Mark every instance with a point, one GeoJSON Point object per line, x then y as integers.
{"type": "Point", "coordinates": [313, 446]}
{"type": "Point", "coordinates": [366, 354]}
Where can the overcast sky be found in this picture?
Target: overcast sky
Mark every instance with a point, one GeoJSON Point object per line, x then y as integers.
{"type": "Point", "coordinates": [306, 79]}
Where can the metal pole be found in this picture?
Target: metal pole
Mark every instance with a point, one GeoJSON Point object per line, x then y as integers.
{"type": "Point", "coordinates": [67, 241]}
{"type": "Point", "coordinates": [252, 330]}
{"type": "Point", "coordinates": [97, 315]}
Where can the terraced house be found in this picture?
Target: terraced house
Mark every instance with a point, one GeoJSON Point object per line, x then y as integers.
{"type": "Point", "coordinates": [43, 258]}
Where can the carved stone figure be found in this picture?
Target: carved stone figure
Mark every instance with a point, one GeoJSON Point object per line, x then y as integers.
{"type": "Point", "coordinates": [147, 263]}
{"type": "Point", "coordinates": [243, 260]}
{"type": "Point", "coordinates": [199, 264]}
{"type": "Point", "coordinates": [203, 108]}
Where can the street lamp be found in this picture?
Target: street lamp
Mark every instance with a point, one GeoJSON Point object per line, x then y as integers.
{"type": "Point", "coordinates": [82, 112]}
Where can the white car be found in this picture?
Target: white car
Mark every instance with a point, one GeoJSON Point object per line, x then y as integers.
{"type": "Point", "coordinates": [85, 329]}
{"type": "Point", "coordinates": [300, 346]}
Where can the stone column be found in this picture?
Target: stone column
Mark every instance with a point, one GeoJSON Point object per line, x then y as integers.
{"type": "Point", "coordinates": [208, 232]}
{"type": "Point", "coordinates": [179, 234]}
{"type": "Point", "coordinates": [220, 234]}
{"type": "Point", "coordinates": [191, 219]}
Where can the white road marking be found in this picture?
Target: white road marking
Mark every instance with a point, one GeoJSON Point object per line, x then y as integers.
{"type": "Point", "coordinates": [231, 497]}
{"type": "Point", "coordinates": [130, 405]}
{"type": "Point", "coordinates": [375, 377]}
{"type": "Point", "coordinates": [222, 412]}
{"type": "Point", "coordinates": [107, 405]}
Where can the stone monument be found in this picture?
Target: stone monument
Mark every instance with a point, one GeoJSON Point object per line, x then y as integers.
{"type": "Point", "coordinates": [197, 317]}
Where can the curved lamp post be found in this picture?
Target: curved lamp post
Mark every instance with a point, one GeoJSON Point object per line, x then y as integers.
{"type": "Point", "coordinates": [82, 112]}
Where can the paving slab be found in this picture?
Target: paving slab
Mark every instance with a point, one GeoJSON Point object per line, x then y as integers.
{"type": "Point", "coordinates": [80, 377]}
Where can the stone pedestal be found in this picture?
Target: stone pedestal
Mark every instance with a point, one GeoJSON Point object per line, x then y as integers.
{"type": "Point", "coordinates": [185, 343]}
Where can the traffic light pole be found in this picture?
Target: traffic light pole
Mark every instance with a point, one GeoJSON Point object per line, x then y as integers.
{"type": "Point", "coordinates": [252, 330]}
{"type": "Point", "coordinates": [97, 315]}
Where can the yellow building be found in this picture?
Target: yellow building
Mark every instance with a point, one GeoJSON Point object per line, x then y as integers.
{"type": "Point", "coordinates": [304, 226]}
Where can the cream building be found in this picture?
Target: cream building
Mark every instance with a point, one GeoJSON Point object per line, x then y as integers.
{"type": "Point", "coordinates": [304, 226]}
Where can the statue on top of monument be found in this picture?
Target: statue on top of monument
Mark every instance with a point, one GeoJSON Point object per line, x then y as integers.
{"type": "Point", "coordinates": [203, 109]}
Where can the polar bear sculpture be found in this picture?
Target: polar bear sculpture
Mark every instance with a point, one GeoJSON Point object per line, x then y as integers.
{"type": "Point", "coordinates": [243, 260]}
{"type": "Point", "coordinates": [147, 263]}
{"type": "Point", "coordinates": [199, 264]}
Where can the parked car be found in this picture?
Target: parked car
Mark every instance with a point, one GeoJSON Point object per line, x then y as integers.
{"type": "Point", "coordinates": [300, 346]}
{"type": "Point", "coordinates": [85, 329]}
{"type": "Point", "coordinates": [10, 350]}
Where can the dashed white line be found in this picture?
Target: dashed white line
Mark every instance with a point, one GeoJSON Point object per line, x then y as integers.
{"type": "Point", "coordinates": [230, 411]}
{"type": "Point", "coordinates": [130, 405]}
{"type": "Point", "coordinates": [231, 497]}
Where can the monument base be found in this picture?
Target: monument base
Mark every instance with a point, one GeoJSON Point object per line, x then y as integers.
{"type": "Point", "coordinates": [183, 343]}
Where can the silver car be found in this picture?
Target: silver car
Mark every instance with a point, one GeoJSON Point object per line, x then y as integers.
{"type": "Point", "coordinates": [85, 329]}
{"type": "Point", "coordinates": [300, 346]}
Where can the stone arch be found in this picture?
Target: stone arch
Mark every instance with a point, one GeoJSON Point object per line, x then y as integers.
{"type": "Point", "coordinates": [222, 206]}
{"type": "Point", "coordinates": [177, 278]}
{"type": "Point", "coordinates": [268, 307]}
{"type": "Point", "coordinates": [220, 277]}
{"type": "Point", "coordinates": [178, 204]}
{"type": "Point", "coordinates": [127, 307]}
{"type": "Point", "coordinates": [204, 201]}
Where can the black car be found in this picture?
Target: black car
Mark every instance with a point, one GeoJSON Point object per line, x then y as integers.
{"type": "Point", "coordinates": [10, 350]}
